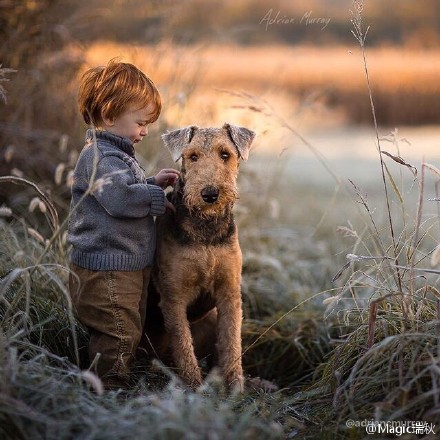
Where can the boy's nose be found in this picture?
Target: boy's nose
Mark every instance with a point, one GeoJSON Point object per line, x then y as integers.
{"type": "Point", "coordinates": [144, 131]}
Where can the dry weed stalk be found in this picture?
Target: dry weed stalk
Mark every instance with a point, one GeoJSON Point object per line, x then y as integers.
{"type": "Point", "coordinates": [361, 36]}
{"type": "Point", "coordinates": [51, 210]}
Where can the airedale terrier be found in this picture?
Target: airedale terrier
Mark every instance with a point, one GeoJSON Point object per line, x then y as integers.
{"type": "Point", "coordinates": [196, 277]}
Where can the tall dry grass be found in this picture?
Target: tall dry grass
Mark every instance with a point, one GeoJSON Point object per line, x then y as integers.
{"type": "Point", "coordinates": [385, 366]}
{"type": "Point", "coordinates": [39, 121]}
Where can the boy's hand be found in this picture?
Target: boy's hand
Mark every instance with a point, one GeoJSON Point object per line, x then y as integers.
{"type": "Point", "coordinates": [166, 177]}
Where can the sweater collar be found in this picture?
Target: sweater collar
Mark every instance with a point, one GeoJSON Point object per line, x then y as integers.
{"type": "Point", "coordinates": [122, 143]}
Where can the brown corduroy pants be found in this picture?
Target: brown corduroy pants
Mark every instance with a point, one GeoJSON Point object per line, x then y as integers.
{"type": "Point", "coordinates": [112, 305]}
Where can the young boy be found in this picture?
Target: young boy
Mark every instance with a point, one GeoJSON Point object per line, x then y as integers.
{"type": "Point", "coordinates": [111, 226]}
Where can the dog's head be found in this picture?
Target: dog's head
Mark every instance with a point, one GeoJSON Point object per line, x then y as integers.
{"type": "Point", "coordinates": [240, 137]}
{"type": "Point", "coordinates": [210, 158]}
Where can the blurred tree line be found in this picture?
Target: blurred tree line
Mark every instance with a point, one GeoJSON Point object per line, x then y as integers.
{"type": "Point", "coordinates": [399, 22]}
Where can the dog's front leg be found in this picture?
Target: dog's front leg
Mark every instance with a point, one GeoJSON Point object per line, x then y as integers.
{"type": "Point", "coordinates": [229, 336]}
{"type": "Point", "coordinates": [177, 326]}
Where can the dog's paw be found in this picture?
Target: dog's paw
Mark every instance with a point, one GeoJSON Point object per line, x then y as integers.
{"type": "Point", "coordinates": [192, 379]}
{"type": "Point", "coordinates": [235, 383]}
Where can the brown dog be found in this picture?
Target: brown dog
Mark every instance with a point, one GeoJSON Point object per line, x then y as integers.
{"type": "Point", "coordinates": [197, 274]}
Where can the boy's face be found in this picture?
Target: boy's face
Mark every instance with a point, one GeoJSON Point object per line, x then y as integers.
{"type": "Point", "coordinates": [132, 124]}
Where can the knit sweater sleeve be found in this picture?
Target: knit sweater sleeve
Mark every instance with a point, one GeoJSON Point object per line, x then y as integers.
{"type": "Point", "coordinates": [121, 196]}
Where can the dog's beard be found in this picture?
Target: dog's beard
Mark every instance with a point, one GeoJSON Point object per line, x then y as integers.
{"type": "Point", "coordinates": [197, 206]}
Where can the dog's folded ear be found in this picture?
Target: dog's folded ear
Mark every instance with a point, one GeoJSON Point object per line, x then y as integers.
{"type": "Point", "coordinates": [177, 140]}
{"type": "Point", "coordinates": [241, 137]}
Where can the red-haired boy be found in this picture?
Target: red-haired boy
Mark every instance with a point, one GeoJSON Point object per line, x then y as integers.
{"type": "Point", "coordinates": [111, 225]}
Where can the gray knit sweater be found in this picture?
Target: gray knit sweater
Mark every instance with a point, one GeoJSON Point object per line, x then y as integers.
{"type": "Point", "coordinates": [113, 227]}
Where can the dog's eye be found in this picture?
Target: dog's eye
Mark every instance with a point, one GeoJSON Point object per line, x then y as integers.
{"type": "Point", "coordinates": [193, 158]}
{"type": "Point", "coordinates": [224, 155]}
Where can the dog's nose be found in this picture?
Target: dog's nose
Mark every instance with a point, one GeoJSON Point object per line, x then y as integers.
{"type": "Point", "coordinates": [210, 194]}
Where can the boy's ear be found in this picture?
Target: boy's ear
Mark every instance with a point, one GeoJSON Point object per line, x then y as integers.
{"type": "Point", "coordinates": [107, 121]}
{"type": "Point", "coordinates": [177, 140]}
{"type": "Point", "coordinates": [242, 139]}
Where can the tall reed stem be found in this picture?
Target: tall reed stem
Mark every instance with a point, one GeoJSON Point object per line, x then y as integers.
{"type": "Point", "coordinates": [360, 36]}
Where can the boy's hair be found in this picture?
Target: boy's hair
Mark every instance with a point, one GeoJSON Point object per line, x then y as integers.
{"type": "Point", "coordinates": [106, 92]}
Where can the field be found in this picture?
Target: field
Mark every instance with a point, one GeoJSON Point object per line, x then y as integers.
{"type": "Point", "coordinates": [317, 80]}
{"type": "Point", "coordinates": [340, 244]}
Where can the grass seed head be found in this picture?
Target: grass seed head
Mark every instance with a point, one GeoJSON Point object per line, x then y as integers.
{"type": "Point", "coordinates": [59, 173]}
{"type": "Point", "coordinates": [5, 211]}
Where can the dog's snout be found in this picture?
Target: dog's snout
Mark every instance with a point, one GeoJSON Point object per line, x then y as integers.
{"type": "Point", "coordinates": [209, 194]}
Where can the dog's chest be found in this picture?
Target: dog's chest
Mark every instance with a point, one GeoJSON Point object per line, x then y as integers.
{"type": "Point", "coordinates": [195, 270]}
{"type": "Point", "coordinates": [211, 272]}
{"type": "Point", "coordinates": [208, 262]}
